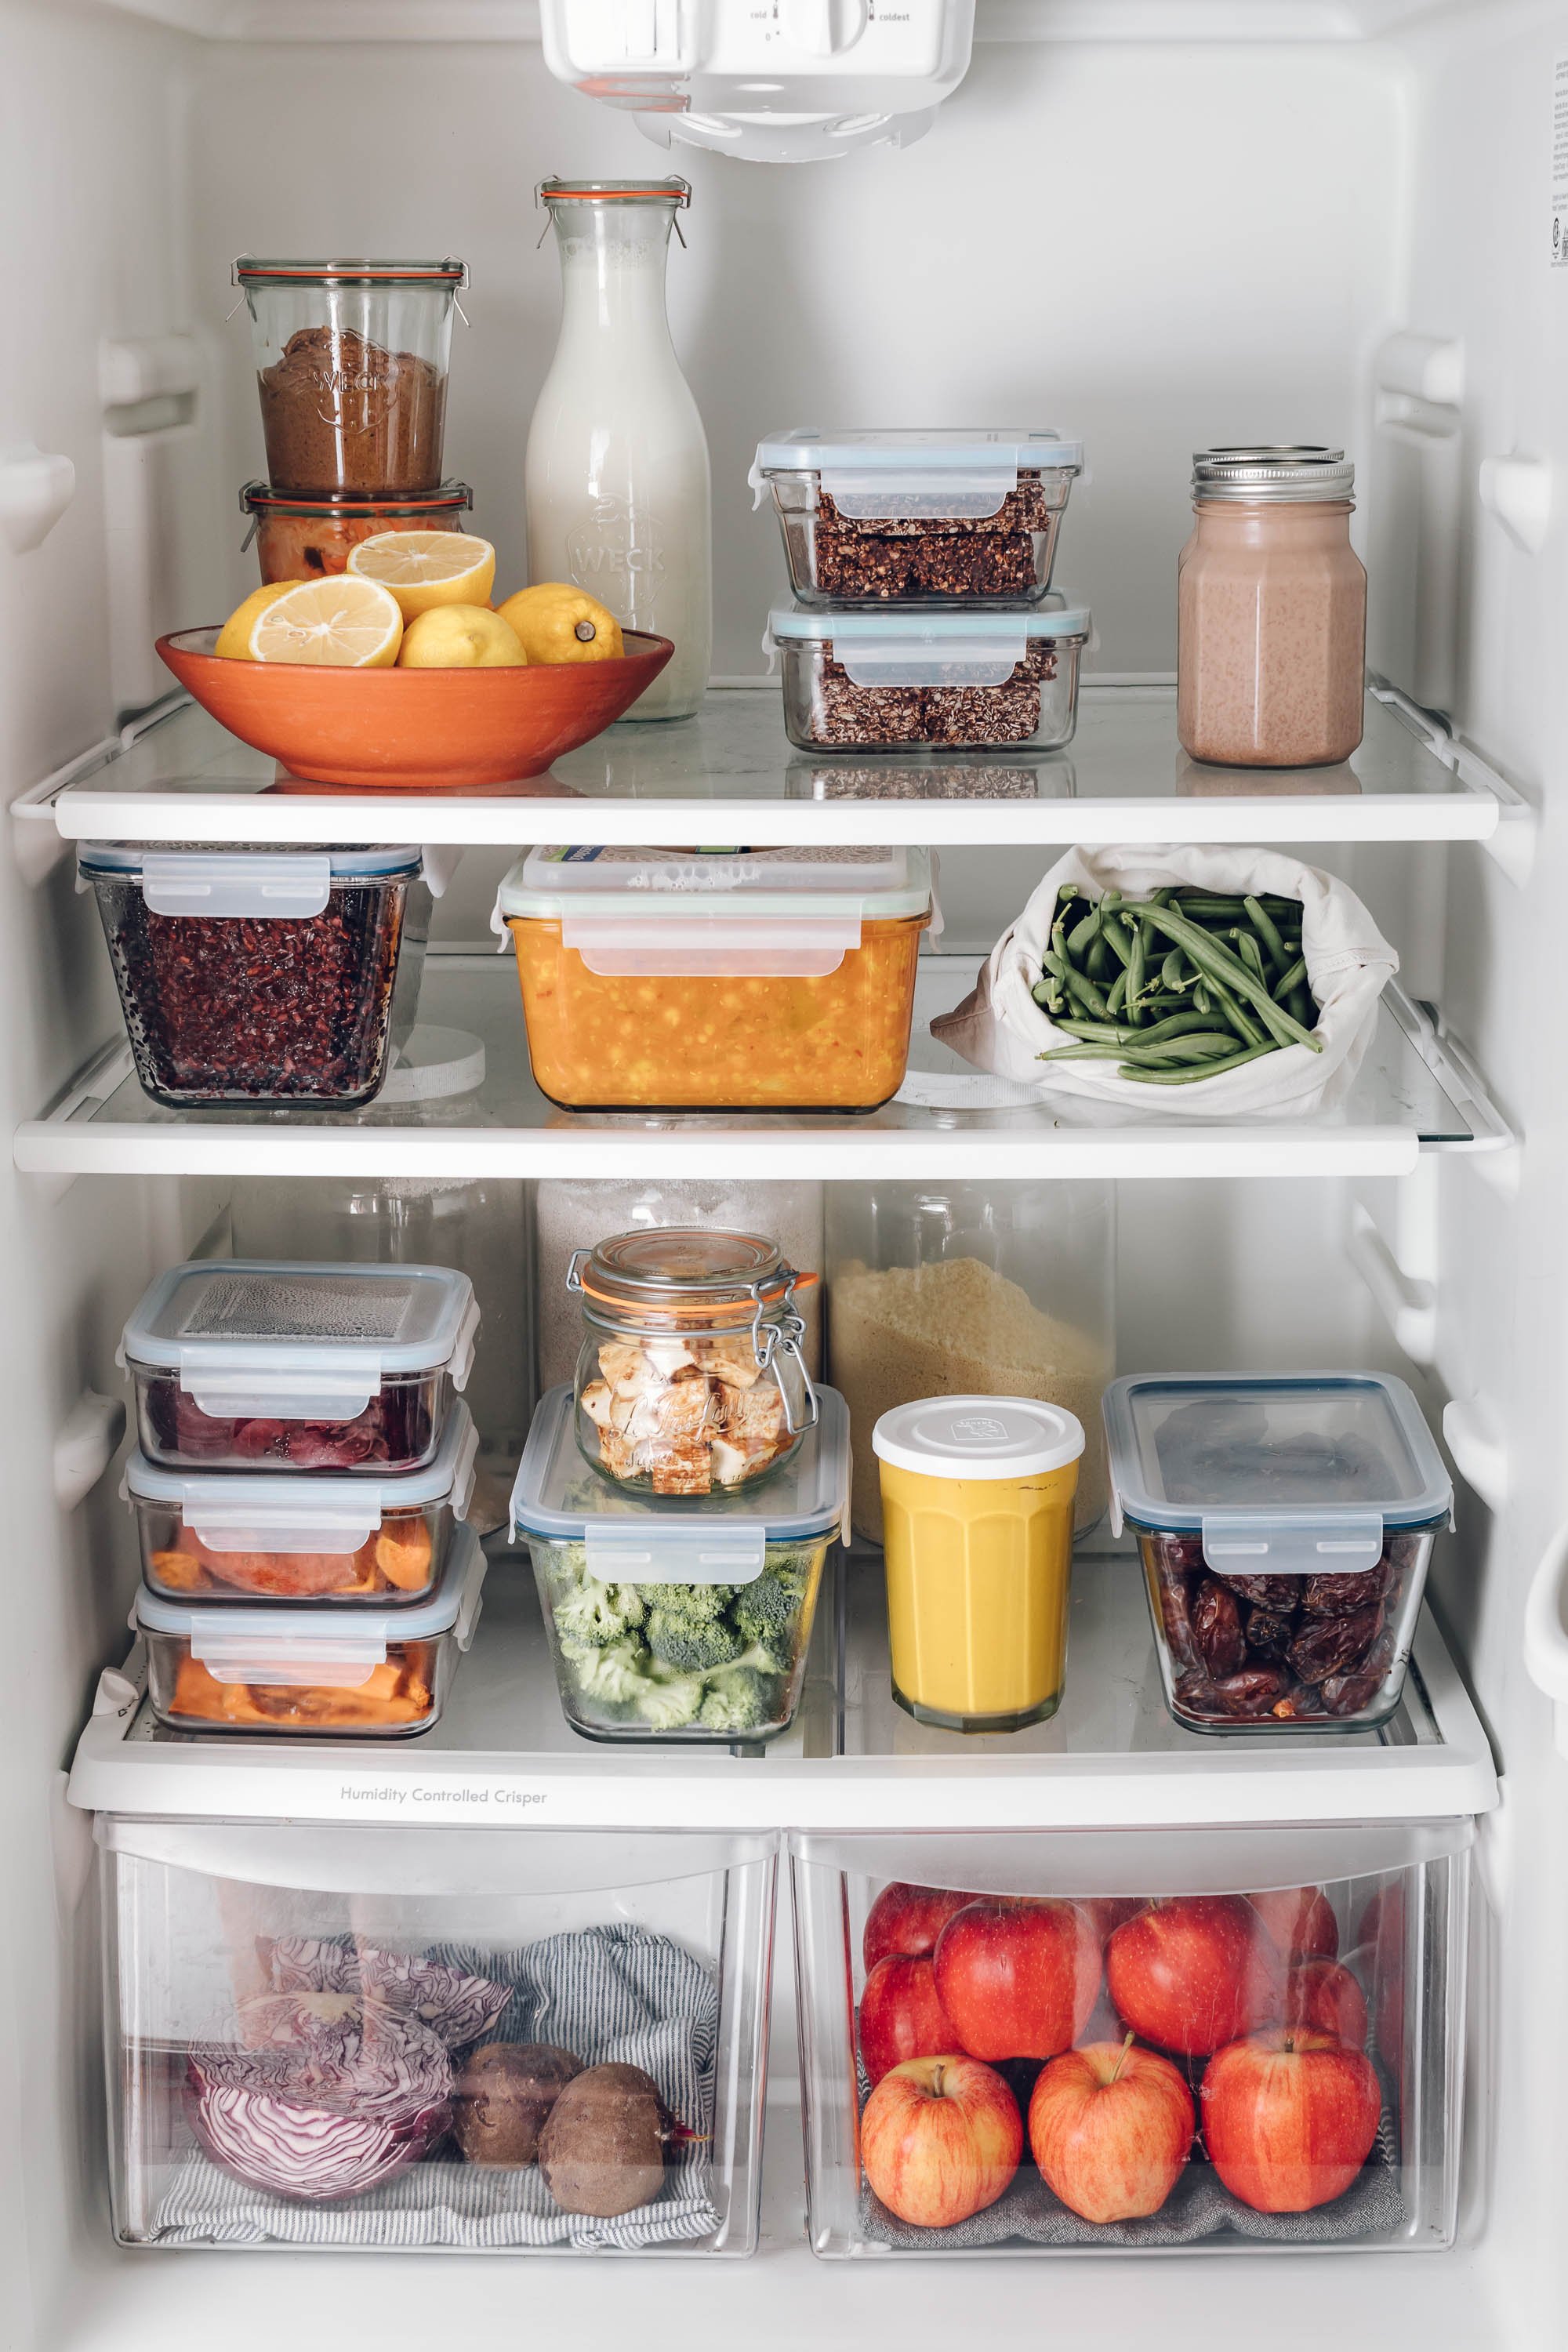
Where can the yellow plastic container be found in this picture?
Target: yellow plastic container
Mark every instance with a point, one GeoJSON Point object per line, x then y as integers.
{"type": "Point", "coordinates": [977, 1511]}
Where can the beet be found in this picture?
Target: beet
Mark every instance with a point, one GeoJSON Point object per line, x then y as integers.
{"type": "Point", "coordinates": [603, 2149]}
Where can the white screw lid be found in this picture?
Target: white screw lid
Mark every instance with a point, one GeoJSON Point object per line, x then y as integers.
{"type": "Point", "coordinates": [978, 1437]}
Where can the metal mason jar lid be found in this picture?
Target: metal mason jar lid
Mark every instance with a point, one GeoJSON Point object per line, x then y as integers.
{"type": "Point", "coordinates": [1270, 476]}
{"type": "Point", "coordinates": [685, 1273]}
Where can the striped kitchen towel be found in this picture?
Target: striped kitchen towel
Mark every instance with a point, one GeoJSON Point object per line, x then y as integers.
{"type": "Point", "coordinates": [614, 1993]}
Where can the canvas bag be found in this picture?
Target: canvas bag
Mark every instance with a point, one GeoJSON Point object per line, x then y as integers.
{"type": "Point", "coordinates": [999, 1027]}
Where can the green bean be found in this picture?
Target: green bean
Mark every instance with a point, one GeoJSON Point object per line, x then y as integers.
{"type": "Point", "coordinates": [1177, 1051]}
{"type": "Point", "coordinates": [1087, 994]}
{"type": "Point", "coordinates": [1135, 979]}
{"type": "Point", "coordinates": [1171, 970]}
{"type": "Point", "coordinates": [1118, 936]}
{"type": "Point", "coordinates": [1302, 1006]}
{"type": "Point", "coordinates": [1251, 955]}
{"type": "Point", "coordinates": [1218, 963]}
{"type": "Point", "coordinates": [1116, 997]}
{"type": "Point", "coordinates": [1267, 931]}
{"type": "Point", "coordinates": [1183, 1078]}
{"type": "Point", "coordinates": [1094, 1032]}
{"type": "Point", "coordinates": [1079, 941]}
{"type": "Point", "coordinates": [1202, 1001]}
{"type": "Point", "coordinates": [1289, 979]}
{"type": "Point", "coordinates": [1249, 1031]}
{"type": "Point", "coordinates": [1096, 962]}
{"type": "Point", "coordinates": [1180, 1024]}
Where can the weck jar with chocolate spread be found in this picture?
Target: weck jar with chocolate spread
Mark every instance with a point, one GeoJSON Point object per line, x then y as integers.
{"type": "Point", "coordinates": [351, 364]}
{"type": "Point", "coordinates": [1271, 611]}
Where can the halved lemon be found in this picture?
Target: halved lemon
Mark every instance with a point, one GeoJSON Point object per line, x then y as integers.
{"type": "Point", "coordinates": [340, 624]}
{"type": "Point", "coordinates": [424, 568]}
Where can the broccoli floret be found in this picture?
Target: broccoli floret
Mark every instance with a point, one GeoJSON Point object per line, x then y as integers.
{"type": "Point", "coordinates": [698, 1601]}
{"type": "Point", "coordinates": [694, 1645]}
{"type": "Point", "coordinates": [775, 1657]}
{"type": "Point", "coordinates": [764, 1610]}
{"type": "Point", "coordinates": [739, 1699]}
{"type": "Point", "coordinates": [614, 1676]}
{"type": "Point", "coordinates": [669, 1706]}
{"type": "Point", "coordinates": [597, 1613]}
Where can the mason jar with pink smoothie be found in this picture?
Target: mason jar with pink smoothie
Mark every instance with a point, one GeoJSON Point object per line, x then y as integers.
{"type": "Point", "coordinates": [1271, 610]}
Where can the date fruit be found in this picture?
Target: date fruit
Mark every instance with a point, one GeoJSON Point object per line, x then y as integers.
{"type": "Point", "coordinates": [1280, 1592]}
{"type": "Point", "coordinates": [1216, 1629]}
{"type": "Point", "coordinates": [1331, 1645]}
{"type": "Point", "coordinates": [1338, 1596]}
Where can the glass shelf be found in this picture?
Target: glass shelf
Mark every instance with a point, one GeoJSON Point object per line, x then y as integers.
{"type": "Point", "coordinates": [1124, 778]}
{"type": "Point", "coordinates": [1414, 1091]}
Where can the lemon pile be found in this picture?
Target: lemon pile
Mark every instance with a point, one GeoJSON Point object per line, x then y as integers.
{"type": "Point", "coordinates": [421, 599]}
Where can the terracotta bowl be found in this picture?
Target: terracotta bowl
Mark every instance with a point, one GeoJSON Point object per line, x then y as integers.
{"type": "Point", "coordinates": [414, 730]}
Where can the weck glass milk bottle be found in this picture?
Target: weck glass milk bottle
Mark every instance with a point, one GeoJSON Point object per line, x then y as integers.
{"type": "Point", "coordinates": [616, 473]}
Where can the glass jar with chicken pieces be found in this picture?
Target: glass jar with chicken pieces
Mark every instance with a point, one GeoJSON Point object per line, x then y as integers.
{"type": "Point", "coordinates": [690, 1379]}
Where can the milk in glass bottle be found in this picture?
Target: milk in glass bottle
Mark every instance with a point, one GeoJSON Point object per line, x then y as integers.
{"type": "Point", "coordinates": [616, 472]}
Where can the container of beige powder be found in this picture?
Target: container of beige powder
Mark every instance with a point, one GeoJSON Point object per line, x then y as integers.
{"type": "Point", "coordinates": [1271, 610]}
{"type": "Point", "coordinates": [971, 1290]}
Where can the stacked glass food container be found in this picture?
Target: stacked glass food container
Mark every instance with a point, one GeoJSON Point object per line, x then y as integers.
{"type": "Point", "coordinates": [300, 1487]}
{"type": "Point", "coordinates": [920, 562]}
{"type": "Point", "coordinates": [680, 1499]}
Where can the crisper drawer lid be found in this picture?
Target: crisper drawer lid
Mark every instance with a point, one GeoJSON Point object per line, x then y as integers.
{"type": "Point", "coordinates": [768, 913]}
{"type": "Point", "coordinates": [1138, 1862]}
{"type": "Point", "coordinates": [1294, 1474]}
{"type": "Point", "coordinates": [299, 1646]}
{"type": "Point", "coordinates": [296, 1341]}
{"type": "Point", "coordinates": [895, 648]}
{"type": "Point", "coordinates": [254, 884]}
{"type": "Point", "coordinates": [898, 475]}
{"type": "Point", "coordinates": [333, 1512]}
{"type": "Point", "coordinates": [632, 1538]}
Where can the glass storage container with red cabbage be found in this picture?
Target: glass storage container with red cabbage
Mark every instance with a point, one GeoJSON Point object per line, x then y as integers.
{"type": "Point", "coordinates": [950, 681]}
{"type": "Point", "coordinates": [302, 1537]}
{"type": "Point", "coordinates": [679, 1620]}
{"type": "Point", "coordinates": [368, 1672]}
{"type": "Point", "coordinates": [250, 1364]}
{"type": "Point", "coordinates": [341, 2037]}
{"type": "Point", "coordinates": [311, 539]}
{"type": "Point", "coordinates": [1134, 2041]}
{"type": "Point", "coordinates": [255, 976]}
{"type": "Point", "coordinates": [1285, 1523]}
{"type": "Point", "coordinates": [942, 517]}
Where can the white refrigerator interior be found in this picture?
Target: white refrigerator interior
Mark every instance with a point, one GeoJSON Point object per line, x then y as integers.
{"type": "Point", "coordinates": [1162, 225]}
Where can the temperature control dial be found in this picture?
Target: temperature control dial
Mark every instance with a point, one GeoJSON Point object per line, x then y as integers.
{"type": "Point", "coordinates": [823, 27]}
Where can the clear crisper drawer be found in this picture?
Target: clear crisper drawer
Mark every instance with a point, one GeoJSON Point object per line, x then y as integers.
{"type": "Point", "coordinates": [377, 2038]}
{"type": "Point", "coordinates": [1225, 2041]}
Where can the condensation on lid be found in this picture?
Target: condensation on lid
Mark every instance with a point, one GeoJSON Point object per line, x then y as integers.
{"type": "Point", "coordinates": [1307, 1446]}
{"type": "Point", "coordinates": [276, 1316]}
{"type": "Point", "coordinates": [670, 885]}
{"type": "Point", "coordinates": [986, 1438]}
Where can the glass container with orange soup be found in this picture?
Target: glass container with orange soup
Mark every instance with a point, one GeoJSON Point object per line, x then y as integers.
{"type": "Point", "coordinates": [718, 978]}
{"type": "Point", "coordinates": [977, 1512]}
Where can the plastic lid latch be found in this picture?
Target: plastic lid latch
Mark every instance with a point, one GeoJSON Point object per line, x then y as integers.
{"type": "Point", "coordinates": [1275, 1543]}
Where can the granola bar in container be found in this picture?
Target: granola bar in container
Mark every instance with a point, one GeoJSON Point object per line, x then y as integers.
{"type": "Point", "coordinates": [367, 1674]}
{"type": "Point", "coordinates": [257, 976]}
{"type": "Point", "coordinates": [937, 517]}
{"type": "Point", "coordinates": [262, 1365]}
{"type": "Point", "coordinates": [899, 680]}
{"type": "Point", "coordinates": [337, 1541]}
{"type": "Point", "coordinates": [1285, 1523]}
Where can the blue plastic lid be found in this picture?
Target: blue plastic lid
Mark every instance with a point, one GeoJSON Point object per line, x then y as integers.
{"type": "Point", "coordinates": [1290, 1474]}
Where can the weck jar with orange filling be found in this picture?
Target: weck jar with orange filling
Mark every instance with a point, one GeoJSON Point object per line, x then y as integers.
{"type": "Point", "coordinates": [717, 978]}
{"type": "Point", "coordinates": [691, 1379]}
{"type": "Point", "coordinates": [1271, 610]}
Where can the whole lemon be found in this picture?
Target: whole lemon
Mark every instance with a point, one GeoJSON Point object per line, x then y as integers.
{"type": "Point", "coordinates": [234, 637]}
{"type": "Point", "coordinates": [460, 636]}
{"type": "Point", "coordinates": [556, 623]}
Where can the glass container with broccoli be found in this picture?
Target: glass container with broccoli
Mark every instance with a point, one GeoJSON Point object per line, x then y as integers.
{"type": "Point", "coordinates": [679, 1620]}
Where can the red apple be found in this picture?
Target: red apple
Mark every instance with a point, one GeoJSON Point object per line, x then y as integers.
{"type": "Point", "coordinates": [1323, 1995]}
{"type": "Point", "coordinates": [1194, 1974]}
{"type": "Point", "coordinates": [1382, 1925]}
{"type": "Point", "coordinates": [1110, 2127]}
{"type": "Point", "coordinates": [1018, 1979]}
{"type": "Point", "coordinates": [901, 2016]}
{"type": "Point", "coordinates": [908, 1919]}
{"type": "Point", "coordinates": [1300, 1920]}
{"type": "Point", "coordinates": [940, 2139]}
{"type": "Point", "coordinates": [1289, 2117]}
